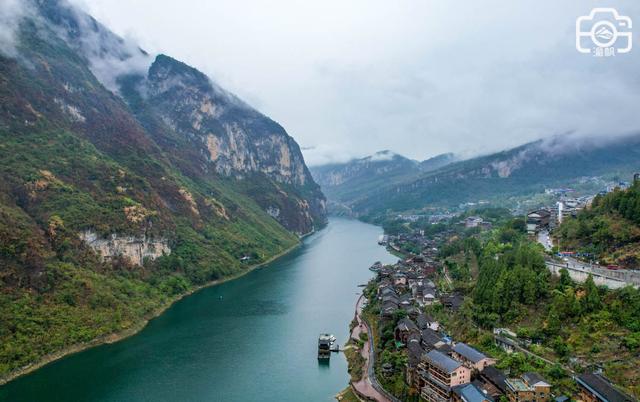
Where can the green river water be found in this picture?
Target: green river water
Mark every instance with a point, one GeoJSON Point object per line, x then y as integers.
{"type": "Point", "coordinates": [256, 343]}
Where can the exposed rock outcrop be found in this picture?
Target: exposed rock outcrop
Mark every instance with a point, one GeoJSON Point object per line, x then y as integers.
{"type": "Point", "coordinates": [136, 249]}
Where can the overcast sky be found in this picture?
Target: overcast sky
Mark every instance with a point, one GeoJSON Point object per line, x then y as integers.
{"type": "Point", "coordinates": [347, 78]}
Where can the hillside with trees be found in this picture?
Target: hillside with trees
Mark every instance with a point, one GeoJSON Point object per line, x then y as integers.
{"type": "Point", "coordinates": [609, 229]}
{"type": "Point", "coordinates": [580, 326]}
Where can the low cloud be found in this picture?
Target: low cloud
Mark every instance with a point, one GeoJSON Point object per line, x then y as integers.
{"type": "Point", "coordinates": [12, 13]}
{"type": "Point", "coordinates": [421, 77]}
{"type": "Point", "coordinates": [110, 56]}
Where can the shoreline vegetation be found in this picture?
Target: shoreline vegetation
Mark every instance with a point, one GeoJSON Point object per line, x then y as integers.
{"type": "Point", "coordinates": [139, 326]}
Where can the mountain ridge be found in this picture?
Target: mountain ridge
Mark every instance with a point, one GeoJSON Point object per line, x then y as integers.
{"type": "Point", "coordinates": [494, 178]}
{"type": "Point", "coordinates": [345, 183]}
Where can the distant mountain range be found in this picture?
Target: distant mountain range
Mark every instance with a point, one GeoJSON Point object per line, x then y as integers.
{"type": "Point", "coordinates": [370, 186]}
{"type": "Point", "coordinates": [346, 183]}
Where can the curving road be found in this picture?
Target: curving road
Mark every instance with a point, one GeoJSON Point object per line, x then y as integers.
{"type": "Point", "coordinates": [368, 386]}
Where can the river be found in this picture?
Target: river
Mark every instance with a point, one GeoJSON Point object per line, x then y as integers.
{"type": "Point", "coordinates": [250, 339]}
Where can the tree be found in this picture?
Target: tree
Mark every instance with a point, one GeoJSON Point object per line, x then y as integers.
{"type": "Point", "coordinates": [565, 280]}
{"type": "Point", "coordinates": [591, 301]}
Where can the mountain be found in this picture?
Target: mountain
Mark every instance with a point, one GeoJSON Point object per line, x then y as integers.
{"type": "Point", "coordinates": [525, 170]}
{"type": "Point", "coordinates": [346, 183]}
{"type": "Point", "coordinates": [126, 181]}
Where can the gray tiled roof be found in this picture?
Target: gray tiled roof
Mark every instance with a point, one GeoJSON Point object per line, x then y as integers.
{"type": "Point", "coordinates": [443, 361]}
{"type": "Point", "coordinates": [468, 352]}
{"type": "Point", "coordinates": [533, 378]}
{"type": "Point", "coordinates": [471, 393]}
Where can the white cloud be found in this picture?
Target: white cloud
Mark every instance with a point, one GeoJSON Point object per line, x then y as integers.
{"type": "Point", "coordinates": [11, 14]}
{"type": "Point", "coordinates": [110, 56]}
{"type": "Point", "coordinates": [421, 77]}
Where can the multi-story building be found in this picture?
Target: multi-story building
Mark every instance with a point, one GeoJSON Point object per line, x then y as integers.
{"type": "Point", "coordinates": [437, 374]}
{"type": "Point", "coordinates": [531, 388]}
{"type": "Point", "coordinates": [471, 357]}
{"type": "Point", "coordinates": [538, 220]}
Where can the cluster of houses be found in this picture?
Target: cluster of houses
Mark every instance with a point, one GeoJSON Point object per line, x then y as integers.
{"type": "Point", "coordinates": [428, 244]}
{"type": "Point", "coordinates": [442, 370]}
{"type": "Point", "coordinates": [405, 286]}
{"type": "Point", "coordinates": [476, 222]}
{"type": "Point", "coordinates": [439, 368]}
{"type": "Point", "coordinates": [549, 217]}
{"type": "Point", "coordinates": [566, 207]}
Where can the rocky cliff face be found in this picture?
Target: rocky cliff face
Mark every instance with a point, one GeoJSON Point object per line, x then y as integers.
{"type": "Point", "coordinates": [226, 137]}
{"type": "Point", "coordinates": [235, 138]}
{"type": "Point", "coordinates": [133, 248]}
{"type": "Point", "coordinates": [207, 131]}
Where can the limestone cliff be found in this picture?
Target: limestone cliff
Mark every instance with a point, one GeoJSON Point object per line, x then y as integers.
{"type": "Point", "coordinates": [227, 137]}
{"type": "Point", "coordinates": [135, 249]}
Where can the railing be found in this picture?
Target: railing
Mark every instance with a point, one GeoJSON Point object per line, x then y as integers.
{"type": "Point", "coordinates": [626, 276]}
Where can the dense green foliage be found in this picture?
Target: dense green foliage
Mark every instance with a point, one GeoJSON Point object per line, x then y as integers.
{"type": "Point", "coordinates": [577, 325]}
{"type": "Point", "coordinates": [609, 229]}
{"type": "Point", "coordinates": [73, 158]}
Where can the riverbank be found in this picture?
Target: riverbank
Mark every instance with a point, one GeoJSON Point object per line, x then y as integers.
{"type": "Point", "coordinates": [136, 327]}
{"type": "Point", "coordinates": [367, 386]}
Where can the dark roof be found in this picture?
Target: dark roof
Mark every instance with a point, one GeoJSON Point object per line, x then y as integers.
{"type": "Point", "coordinates": [405, 298]}
{"type": "Point", "coordinates": [423, 320]}
{"type": "Point", "coordinates": [533, 378]}
{"type": "Point", "coordinates": [468, 352]}
{"type": "Point", "coordinates": [414, 352]}
{"type": "Point", "coordinates": [471, 393]}
{"type": "Point", "coordinates": [430, 337]}
{"type": "Point", "coordinates": [495, 376]}
{"type": "Point", "coordinates": [602, 388]}
{"type": "Point", "coordinates": [406, 324]}
{"type": "Point", "coordinates": [390, 298]}
{"type": "Point", "coordinates": [487, 388]}
{"type": "Point", "coordinates": [453, 301]}
{"type": "Point", "coordinates": [444, 348]}
{"type": "Point", "coordinates": [443, 361]}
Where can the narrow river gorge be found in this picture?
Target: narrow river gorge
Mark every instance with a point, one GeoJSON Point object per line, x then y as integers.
{"type": "Point", "coordinates": [251, 339]}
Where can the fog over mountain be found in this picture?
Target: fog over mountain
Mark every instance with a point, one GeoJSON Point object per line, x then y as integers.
{"type": "Point", "coordinates": [417, 77]}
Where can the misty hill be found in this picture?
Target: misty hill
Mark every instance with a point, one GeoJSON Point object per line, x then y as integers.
{"type": "Point", "coordinates": [524, 170]}
{"type": "Point", "coordinates": [345, 183]}
{"type": "Point", "coordinates": [126, 181]}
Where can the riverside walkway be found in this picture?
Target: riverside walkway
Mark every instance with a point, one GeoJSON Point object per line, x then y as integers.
{"type": "Point", "coordinates": [368, 386]}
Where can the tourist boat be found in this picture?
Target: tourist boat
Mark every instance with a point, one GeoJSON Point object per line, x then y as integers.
{"type": "Point", "coordinates": [324, 346]}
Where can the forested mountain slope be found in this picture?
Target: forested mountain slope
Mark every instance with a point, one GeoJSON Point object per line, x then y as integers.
{"type": "Point", "coordinates": [126, 181]}
{"type": "Point", "coordinates": [347, 183]}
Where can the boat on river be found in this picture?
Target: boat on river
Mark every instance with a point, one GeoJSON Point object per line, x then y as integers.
{"type": "Point", "coordinates": [324, 346]}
